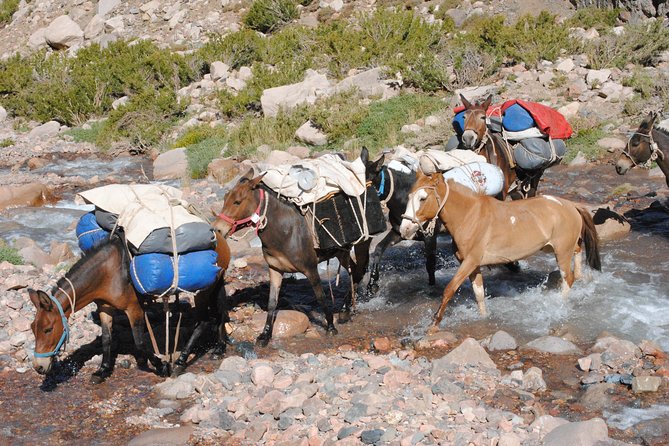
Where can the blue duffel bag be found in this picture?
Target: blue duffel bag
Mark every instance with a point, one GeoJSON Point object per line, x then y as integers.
{"type": "Point", "coordinates": [517, 119]}
{"type": "Point", "coordinates": [89, 232]}
{"type": "Point", "coordinates": [153, 273]}
{"type": "Point", "coordinates": [459, 122]}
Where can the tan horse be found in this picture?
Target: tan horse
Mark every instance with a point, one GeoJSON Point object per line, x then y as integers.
{"type": "Point", "coordinates": [487, 231]}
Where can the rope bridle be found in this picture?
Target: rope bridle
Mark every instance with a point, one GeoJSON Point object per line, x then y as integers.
{"type": "Point", "coordinates": [655, 151]}
{"type": "Point", "coordinates": [64, 319]}
{"type": "Point", "coordinates": [382, 186]}
{"type": "Point", "coordinates": [431, 224]}
{"type": "Point", "coordinates": [257, 220]}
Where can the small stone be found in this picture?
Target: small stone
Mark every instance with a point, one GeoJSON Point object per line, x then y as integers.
{"type": "Point", "coordinates": [646, 384]}
{"type": "Point", "coordinates": [584, 363]}
{"type": "Point", "coordinates": [371, 436]}
{"type": "Point", "coordinates": [262, 375]}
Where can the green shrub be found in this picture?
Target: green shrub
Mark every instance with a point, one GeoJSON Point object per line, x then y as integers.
{"type": "Point", "coordinates": [278, 132]}
{"type": "Point", "coordinates": [9, 254]}
{"type": "Point", "coordinates": [197, 134]}
{"type": "Point", "coordinates": [204, 152]}
{"type": "Point", "coordinates": [598, 18]}
{"type": "Point", "coordinates": [269, 15]}
{"type": "Point", "coordinates": [338, 116]}
{"type": "Point", "coordinates": [640, 44]}
{"type": "Point", "coordinates": [381, 127]}
{"type": "Point", "coordinates": [238, 49]}
{"type": "Point", "coordinates": [144, 120]}
{"type": "Point", "coordinates": [7, 10]}
{"type": "Point", "coordinates": [586, 134]}
{"type": "Point", "coordinates": [79, 134]}
{"type": "Point", "coordinates": [471, 64]}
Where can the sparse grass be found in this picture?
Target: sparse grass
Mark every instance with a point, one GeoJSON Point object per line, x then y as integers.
{"type": "Point", "coordinates": [202, 153]}
{"type": "Point", "coordinates": [6, 142]}
{"type": "Point", "coordinates": [598, 18]}
{"type": "Point", "coordinates": [7, 10]}
{"type": "Point", "coordinates": [622, 189]}
{"type": "Point", "coordinates": [9, 254]}
{"type": "Point", "coordinates": [80, 134]}
{"type": "Point", "coordinates": [586, 134]}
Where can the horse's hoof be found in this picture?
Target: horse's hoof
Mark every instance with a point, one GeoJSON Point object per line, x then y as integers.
{"type": "Point", "coordinates": [99, 377]}
{"type": "Point", "coordinates": [433, 330]}
{"type": "Point", "coordinates": [332, 331]}
{"type": "Point", "coordinates": [178, 370]}
{"type": "Point", "coordinates": [163, 370]}
{"type": "Point", "coordinates": [262, 341]}
{"type": "Point", "coordinates": [217, 352]}
{"type": "Point", "coordinates": [344, 317]}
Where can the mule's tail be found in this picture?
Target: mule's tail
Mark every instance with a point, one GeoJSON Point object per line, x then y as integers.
{"type": "Point", "coordinates": [590, 239]}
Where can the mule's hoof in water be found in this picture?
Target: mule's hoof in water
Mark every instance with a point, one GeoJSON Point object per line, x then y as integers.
{"type": "Point", "coordinates": [331, 331]}
{"type": "Point", "coordinates": [373, 288]}
{"type": "Point", "coordinates": [262, 341]}
{"type": "Point", "coordinates": [344, 317]}
{"type": "Point", "coordinates": [433, 330]}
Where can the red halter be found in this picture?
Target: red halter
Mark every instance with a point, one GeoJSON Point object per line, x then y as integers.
{"type": "Point", "coordinates": [252, 220]}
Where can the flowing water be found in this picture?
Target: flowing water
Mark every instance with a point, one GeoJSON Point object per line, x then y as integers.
{"type": "Point", "coordinates": [628, 298]}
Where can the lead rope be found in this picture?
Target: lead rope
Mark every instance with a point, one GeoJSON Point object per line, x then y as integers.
{"type": "Point", "coordinates": [72, 300]}
{"type": "Point", "coordinates": [391, 188]}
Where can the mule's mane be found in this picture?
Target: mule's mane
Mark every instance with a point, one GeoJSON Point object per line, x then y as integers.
{"type": "Point", "coordinates": [84, 262]}
{"type": "Point", "coordinates": [660, 128]}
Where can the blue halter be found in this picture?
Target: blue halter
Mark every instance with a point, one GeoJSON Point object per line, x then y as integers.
{"type": "Point", "coordinates": [64, 337]}
{"type": "Point", "coordinates": [382, 187]}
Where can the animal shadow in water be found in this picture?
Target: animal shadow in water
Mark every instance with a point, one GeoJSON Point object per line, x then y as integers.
{"type": "Point", "coordinates": [654, 220]}
{"type": "Point", "coordinates": [123, 343]}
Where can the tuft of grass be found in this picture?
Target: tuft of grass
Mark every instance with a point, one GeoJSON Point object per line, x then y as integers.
{"type": "Point", "coordinates": [204, 152]}
{"type": "Point", "coordinates": [622, 189]}
{"type": "Point", "coordinates": [90, 135]}
{"type": "Point", "coordinates": [269, 15]}
{"type": "Point", "coordinates": [7, 142]}
{"type": "Point", "coordinates": [598, 18]}
{"type": "Point", "coordinates": [10, 254]}
{"type": "Point", "coordinates": [7, 10]}
{"type": "Point", "coordinates": [586, 134]}
{"type": "Point", "coordinates": [381, 127]}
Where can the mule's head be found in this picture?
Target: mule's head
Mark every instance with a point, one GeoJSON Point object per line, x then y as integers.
{"type": "Point", "coordinates": [240, 203]}
{"type": "Point", "coordinates": [422, 204]}
{"type": "Point", "coordinates": [372, 168]}
{"type": "Point", "coordinates": [48, 329]}
{"type": "Point", "coordinates": [475, 122]}
{"type": "Point", "coordinates": [638, 149]}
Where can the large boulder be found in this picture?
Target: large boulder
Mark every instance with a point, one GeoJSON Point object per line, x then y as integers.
{"type": "Point", "coordinates": [610, 225]}
{"type": "Point", "coordinates": [368, 83]}
{"type": "Point", "coordinates": [288, 323]}
{"type": "Point", "coordinates": [310, 134]}
{"type": "Point", "coordinates": [33, 194]}
{"type": "Point", "coordinates": [94, 27]}
{"type": "Point", "coordinates": [46, 130]}
{"type": "Point", "coordinates": [585, 433]}
{"type": "Point", "coordinates": [554, 345]}
{"type": "Point", "coordinates": [63, 33]}
{"type": "Point", "coordinates": [171, 164]}
{"type": "Point", "coordinates": [286, 97]}
{"type": "Point", "coordinates": [469, 353]}
{"type": "Point", "coordinates": [223, 170]}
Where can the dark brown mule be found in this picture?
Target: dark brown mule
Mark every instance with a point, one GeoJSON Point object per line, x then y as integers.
{"type": "Point", "coordinates": [102, 276]}
{"type": "Point", "coordinates": [287, 245]}
{"type": "Point", "coordinates": [487, 231]}
{"type": "Point", "coordinates": [646, 145]}
{"type": "Point", "coordinates": [518, 183]}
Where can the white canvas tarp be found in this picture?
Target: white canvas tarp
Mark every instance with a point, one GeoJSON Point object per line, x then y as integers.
{"type": "Point", "coordinates": [141, 208]}
{"type": "Point", "coordinates": [310, 180]}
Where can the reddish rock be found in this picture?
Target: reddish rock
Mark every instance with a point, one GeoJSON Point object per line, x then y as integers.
{"type": "Point", "coordinates": [382, 344]}
{"type": "Point", "coordinates": [33, 194]}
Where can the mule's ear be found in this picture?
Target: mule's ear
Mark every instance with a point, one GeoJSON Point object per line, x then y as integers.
{"type": "Point", "coordinates": [487, 102]}
{"type": "Point", "coordinates": [377, 165]}
{"type": "Point", "coordinates": [465, 102]}
{"type": "Point", "coordinates": [364, 155]}
{"type": "Point", "coordinates": [247, 176]}
{"type": "Point", "coordinates": [254, 182]}
{"type": "Point", "coordinates": [40, 299]}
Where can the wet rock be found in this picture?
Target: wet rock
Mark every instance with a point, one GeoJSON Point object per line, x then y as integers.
{"type": "Point", "coordinates": [439, 339]}
{"type": "Point", "coordinates": [288, 323]}
{"type": "Point", "coordinates": [546, 423]}
{"type": "Point", "coordinates": [616, 352]}
{"type": "Point", "coordinates": [167, 437]}
{"type": "Point", "coordinates": [501, 340]}
{"type": "Point", "coordinates": [33, 194]}
{"type": "Point", "coordinates": [653, 431]}
{"type": "Point", "coordinates": [313, 86]}
{"type": "Point", "coordinates": [646, 384]}
{"type": "Point", "coordinates": [172, 164]}
{"type": "Point", "coordinates": [610, 225]}
{"type": "Point", "coordinates": [598, 396]}
{"type": "Point", "coordinates": [584, 433]}
{"type": "Point", "coordinates": [552, 344]}
{"type": "Point", "coordinates": [468, 353]}
{"type": "Point", "coordinates": [650, 348]}
{"type": "Point", "coordinates": [36, 163]}
{"type": "Point", "coordinates": [46, 130]}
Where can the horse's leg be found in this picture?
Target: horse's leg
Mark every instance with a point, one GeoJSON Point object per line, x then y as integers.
{"type": "Point", "coordinates": [135, 315]}
{"type": "Point", "coordinates": [315, 281]}
{"type": "Point", "coordinates": [107, 364]}
{"type": "Point", "coordinates": [222, 318]}
{"type": "Point", "coordinates": [431, 253]}
{"type": "Point", "coordinates": [345, 313]}
{"type": "Point", "coordinates": [465, 269]}
{"type": "Point", "coordinates": [357, 272]}
{"type": "Point", "coordinates": [578, 263]}
{"type": "Point", "coordinates": [389, 240]}
{"type": "Point", "coordinates": [563, 257]}
{"type": "Point", "coordinates": [477, 284]}
{"type": "Point", "coordinates": [275, 279]}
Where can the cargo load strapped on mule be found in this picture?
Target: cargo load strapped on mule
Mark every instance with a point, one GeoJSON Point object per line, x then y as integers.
{"type": "Point", "coordinates": [534, 132]}
{"type": "Point", "coordinates": [171, 248]}
{"type": "Point", "coordinates": [331, 193]}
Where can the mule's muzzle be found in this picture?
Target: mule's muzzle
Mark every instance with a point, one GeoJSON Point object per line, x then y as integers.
{"type": "Point", "coordinates": [42, 365]}
{"type": "Point", "coordinates": [222, 228]}
{"type": "Point", "coordinates": [408, 229]}
{"type": "Point", "coordinates": [469, 139]}
{"type": "Point", "coordinates": [622, 166]}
